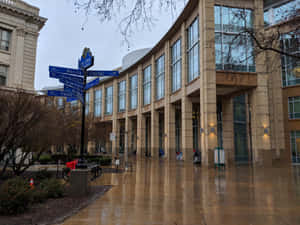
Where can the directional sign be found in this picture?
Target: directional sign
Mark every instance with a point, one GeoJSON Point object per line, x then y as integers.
{"type": "Point", "coordinates": [73, 89]}
{"type": "Point", "coordinates": [87, 60]}
{"type": "Point", "coordinates": [92, 84]}
{"type": "Point", "coordinates": [57, 69]}
{"type": "Point", "coordinates": [71, 99]}
{"type": "Point", "coordinates": [70, 80]}
{"type": "Point", "coordinates": [66, 76]}
{"type": "Point", "coordinates": [60, 93]}
{"type": "Point", "coordinates": [103, 73]}
{"type": "Point", "coordinates": [71, 83]}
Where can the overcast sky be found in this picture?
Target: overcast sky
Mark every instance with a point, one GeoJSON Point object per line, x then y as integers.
{"type": "Point", "coordinates": [62, 40]}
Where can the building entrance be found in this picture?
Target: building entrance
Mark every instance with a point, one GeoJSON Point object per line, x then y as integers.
{"type": "Point", "coordinates": [240, 129]}
{"type": "Point", "coordinates": [147, 136]}
{"type": "Point", "coordinates": [122, 139]}
{"type": "Point", "coordinates": [178, 129]}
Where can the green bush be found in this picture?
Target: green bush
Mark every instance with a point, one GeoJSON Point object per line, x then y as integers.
{"type": "Point", "coordinates": [105, 161]}
{"type": "Point", "coordinates": [53, 188]}
{"type": "Point", "coordinates": [45, 159]}
{"type": "Point", "coordinates": [15, 196]}
{"type": "Point", "coordinates": [62, 157]}
{"type": "Point", "coordinates": [38, 195]}
{"type": "Point", "coordinates": [43, 174]}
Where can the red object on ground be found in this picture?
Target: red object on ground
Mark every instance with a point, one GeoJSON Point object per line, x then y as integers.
{"type": "Point", "coordinates": [72, 164]}
{"type": "Point", "coordinates": [31, 183]}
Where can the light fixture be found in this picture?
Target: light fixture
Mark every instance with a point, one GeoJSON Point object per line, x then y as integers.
{"type": "Point", "coordinates": [211, 129]}
{"type": "Point", "coordinates": [266, 131]}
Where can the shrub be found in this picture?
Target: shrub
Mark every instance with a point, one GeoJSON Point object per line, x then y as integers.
{"type": "Point", "coordinates": [15, 196]}
{"type": "Point", "coordinates": [105, 161]}
{"type": "Point", "coordinates": [53, 188]}
{"type": "Point", "coordinates": [63, 158]}
{"type": "Point", "coordinates": [43, 174]}
{"type": "Point", "coordinates": [38, 195]}
{"type": "Point", "coordinates": [45, 159]}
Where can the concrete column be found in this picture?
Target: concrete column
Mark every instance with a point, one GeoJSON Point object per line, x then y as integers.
{"type": "Point", "coordinates": [91, 103]}
{"type": "Point", "coordinates": [127, 127]}
{"type": "Point", "coordinates": [115, 128]}
{"type": "Point", "coordinates": [103, 101]}
{"type": "Point", "coordinates": [19, 60]}
{"type": "Point", "coordinates": [258, 98]}
{"type": "Point", "coordinates": [208, 98]}
{"type": "Point", "coordinates": [187, 128]}
{"type": "Point", "coordinates": [169, 113]}
{"type": "Point", "coordinates": [228, 130]}
{"type": "Point", "coordinates": [170, 131]}
{"type": "Point", "coordinates": [140, 117]}
{"type": "Point", "coordinates": [186, 105]}
{"type": "Point", "coordinates": [154, 114]}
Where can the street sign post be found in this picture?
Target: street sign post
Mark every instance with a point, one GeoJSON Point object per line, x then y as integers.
{"type": "Point", "coordinates": [92, 84]}
{"type": "Point", "coordinates": [75, 87]}
{"type": "Point", "coordinates": [65, 70]}
{"type": "Point", "coordinates": [103, 73]}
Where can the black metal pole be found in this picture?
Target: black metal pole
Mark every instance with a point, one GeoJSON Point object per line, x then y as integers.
{"type": "Point", "coordinates": [81, 163]}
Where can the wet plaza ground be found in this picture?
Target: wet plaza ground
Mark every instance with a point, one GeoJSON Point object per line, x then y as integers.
{"type": "Point", "coordinates": [170, 193]}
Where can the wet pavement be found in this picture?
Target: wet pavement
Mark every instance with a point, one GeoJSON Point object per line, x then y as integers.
{"type": "Point", "coordinates": [163, 193]}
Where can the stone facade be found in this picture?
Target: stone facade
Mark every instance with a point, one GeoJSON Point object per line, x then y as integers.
{"type": "Point", "coordinates": [22, 23]}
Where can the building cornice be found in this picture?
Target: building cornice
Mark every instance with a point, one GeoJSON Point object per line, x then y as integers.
{"type": "Point", "coordinates": [11, 8]}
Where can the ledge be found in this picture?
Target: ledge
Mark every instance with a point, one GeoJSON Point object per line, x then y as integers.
{"type": "Point", "coordinates": [233, 78]}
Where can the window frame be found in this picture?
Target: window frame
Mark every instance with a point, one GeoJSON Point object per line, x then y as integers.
{"type": "Point", "coordinates": [4, 75]}
{"type": "Point", "coordinates": [291, 101]}
{"type": "Point", "coordinates": [98, 103]}
{"type": "Point", "coordinates": [133, 91]}
{"type": "Point", "coordinates": [226, 32]}
{"type": "Point", "coordinates": [176, 63]}
{"type": "Point", "coordinates": [122, 95]}
{"type": "Point", "coordinates": [8, 42]}
{"type": "Point", "coordinates": [160, 77]}
{"type": "Point", "coordinates": [109, 100]}
{"type": "Point", "coordinates": [147, 84]}
{"type": "Point", "coordinates": [191, 50]}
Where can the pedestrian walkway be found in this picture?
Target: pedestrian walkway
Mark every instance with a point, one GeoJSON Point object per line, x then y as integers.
{"type": "Point", "coordinates": [162, 193]}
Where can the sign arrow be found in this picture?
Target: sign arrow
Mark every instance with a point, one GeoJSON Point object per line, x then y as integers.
{"type": "Point", "coordinates": [57, 69]}
{"type": "Point", "coordinates": [60, 93]}
{"type": "Point", "coordinates": [92, 84]}
{"type": "Point", "coordinates": [102, 73]}
{"type": "Point", "coordinates": [66, 76]}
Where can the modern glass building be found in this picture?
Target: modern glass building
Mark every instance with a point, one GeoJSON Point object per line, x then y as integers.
{"type": "Point", "coordinates": [206, 85]}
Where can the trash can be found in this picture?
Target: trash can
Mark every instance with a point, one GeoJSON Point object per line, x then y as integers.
{"type": "Point", "coordinates": [219, 157]}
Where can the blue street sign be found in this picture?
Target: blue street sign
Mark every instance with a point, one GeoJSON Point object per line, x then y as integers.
{"type": "Point", "coordinates": [60, 93]}
{"type": "Point", "coordinates": [71, 99]}
{"type": "Point", "coordinates": [57, 69]}
{"type": "Point", "coordinates": [86, 60]}
{"type": "Point", "coordinates": [103, 73]}
{"type": "Point", "coordinates": [71, 83]}
{"type": "Point", "coordinates": [66, 76]}
{"type": "Point", "coordinates": [92, 84]}
{"type": "Point", "coordinates": [73, 89]}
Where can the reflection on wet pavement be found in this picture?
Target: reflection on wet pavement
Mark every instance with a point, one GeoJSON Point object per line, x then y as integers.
{"type": "Point", "coordinates": [170, 193]}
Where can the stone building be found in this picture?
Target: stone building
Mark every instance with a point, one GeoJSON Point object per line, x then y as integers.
{"type": "Point", "coordinates": [20, 24]}
{"type": "Point", "coordinates": [196, 90]}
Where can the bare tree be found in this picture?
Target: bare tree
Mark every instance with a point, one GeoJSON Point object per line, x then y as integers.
{"type": "Point", "coordinates": [137, 13]}
{"type": "Point", "coordinates": [27, 126]}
